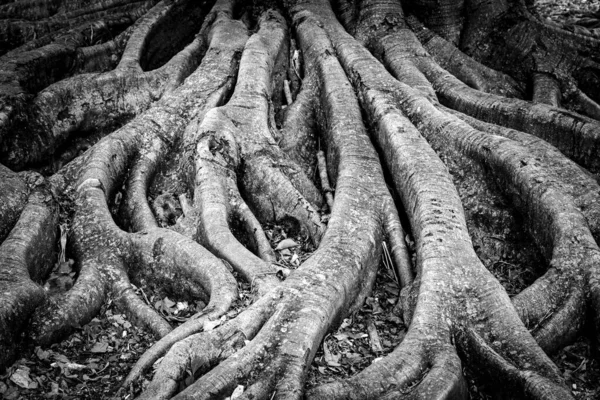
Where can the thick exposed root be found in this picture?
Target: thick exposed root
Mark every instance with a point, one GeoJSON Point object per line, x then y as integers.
{"type": "Point", "coordinates": [302, 308]}
{"type": "Point", "coordinates": [584, 105]}
{"type": "Point", "coordinates": [102, 272]}
{"type": "Point", "coordinates": [66, 311]}
{"type": "Point", "coordinates": [217, 160]}
{"type": "Point", "coordinates": [299, 132]}
{"type": "Point", "coordinates": [206, 129]}
{"type": "Point", "coordinates": [547, 177]}
{"type": "Point", "coordinates": [254, 231]}
{"type": "Point", "coordinates": [574, 181]}
{"type": "Point", "coordinates": [13, 197]}
{"type": "Point", "coordinates": [506, 37]}
{"type": "Point", "coordinates": [198, 353]}
{"type": "Point", "coordinates": [275, 187]}
{"type": "Point", "coordinates": [82, 102]}
{"type": "Point", "coordinates": [34, 66]}
{"type": "Point", "coordinates": [239, 137]}
{"type": "Point", "coordinates": [546, 90]}
{"type": "Point", "coordinates": [181, 259]}
{"type": "Point", "coordinates": [574, 135]}
{"type": "Point", "coordinates": [463, 67]}
{"type": "Point", "coordinates": [137, 212]}
{"type": "Point", "coordinates": [96, 26]}
{"type": "Point", "coordinates": [26, 257]}
{"type": "Point", "coordinates": [425, 188]}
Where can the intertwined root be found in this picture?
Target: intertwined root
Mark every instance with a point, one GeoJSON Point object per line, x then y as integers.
{"type": "Point", "coordinates": [563, 67]}
{"type": "Point", "coordinates": [239, 171]}
{"type": "Point", "coordinates": [64, 50]}
{"type": "Point", "coordinates": [105, 272]}
{"type": "Point", "coordinates": [284, 328]}
{"type": "Point", "coordinates": [100, 101]}
{"type": "Point", "coordinates": [500, 155]}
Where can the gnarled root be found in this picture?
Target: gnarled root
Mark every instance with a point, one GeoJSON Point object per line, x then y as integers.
{"type": "Point", "coordinates": [421, 179]}
{"type": "Point", "coordinates": [238, 137]}
{"type": "Point", "coordinates": [26, 257]}
{"type": "Point", "coordinates": [79, 103]}
{"type": "Point", "coordinates": [169, 257]}
{"type": "Point", "coordinates": [299, 132]}
{"type": "Point", "coordinates": [463, 67]}
{"type": "Point", "coordinates": [102, 273]}
{"type": "Point", "coordinates": [294, 317]}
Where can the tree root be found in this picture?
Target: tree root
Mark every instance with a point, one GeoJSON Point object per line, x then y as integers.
{"type": "Point", "coordinates": [37, 10]}
{"type": "Point", "coordinates": [96, 26]}
{"type": "Point", "coordinates": [77, 104]}
{"type": "Point", "coordinates": [13, 197]}
{"type": "Point", "coordinates": [232, 135]}
{"type": "Point", "coordinates": [574, 135]}
{"type": "Point", "coordinates": [212, 275]}
{"type": "Point", "coordinates": [215, 137]}
{"type": "Point", "coordinates": [568, 255]}
{"type": "Point", "coordinates": [296, 314]}
{"type": "Point", "coordinates": [395, 236]}
{"type": "Point", "coordinates": [299, 132]}
{"type": "Point", "coordinates": [575, 181]}
{"type": "Point", "coordinates": [463, 67]}
{"type": "Point", "coordinates": [26, 257]}
{"type": "Point", "coordinates": [546, 90]}
{"type": "Point", "coordinates": [137, 211]}
{"type": "Point", "coordinates": [27, 70]}
{"type": "Point", "coordinates": [254, 231]}
{"type": "Point", "coordinates": [438, 263]}
{"type": "Point", "coordinates": [217, 159]}
{"type": "Point", "coordinates": [201, 351]}
{"type": "Point", "coordinates": [571, 59]}
{"type": "Point", "coordinates": [107, 162]}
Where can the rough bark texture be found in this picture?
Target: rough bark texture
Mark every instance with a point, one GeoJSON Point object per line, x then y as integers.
{"type": "Point", "coordinates": [175, 134]}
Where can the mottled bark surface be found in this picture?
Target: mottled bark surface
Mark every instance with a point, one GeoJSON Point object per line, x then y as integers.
{"type": "Point", "coordinates": [169, 141]}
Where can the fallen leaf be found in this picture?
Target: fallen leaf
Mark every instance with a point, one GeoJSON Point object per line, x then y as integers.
{"type": "Point", "coordinates": [374, 336]}
{"type": "Point", "coordinates": [168, 303]}
{"type": "Point", "coordinates": [239, 390]}
{"type": "Point", "coordinates": [286, 244]}
{"type": "Point", "coordinates": [341, 336]}
{"type": "Point", "coordinates": [330, 358]}
{"type": "Point", "coordinates": [182, 305]}
{"type": "Point", "coordinates": [100, 347]}
{"type": "Point", "coordinates": [75, 366]}
{"type": "Point", "coordinates": [22, 379]}
{"type": "Point", "coordinates": [60, 357]}
{"type": "Point", "coordinates": [42, 354]}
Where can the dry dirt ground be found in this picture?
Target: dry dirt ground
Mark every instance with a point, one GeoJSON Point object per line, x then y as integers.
{"type": "Point", "coordinates": [91, 363]}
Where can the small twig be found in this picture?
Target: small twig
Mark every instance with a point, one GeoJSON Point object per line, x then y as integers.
{"type": "Point", "coordinates": [288, 92]}
{"type": "Point", "coordinates": [63, 242]}
{"type": "Point", "coordinates": [296, 63]}
{"type": "Point", "coordinates": [389, 264]}
{"type": "Point", "coordinates": [143, 294]}
{"type": "Point", "coordinates": [325, 179]}
{"type": "Point", "coordinates": [185, 204]}
{"type": "Point", "coordinates": [374, 337]}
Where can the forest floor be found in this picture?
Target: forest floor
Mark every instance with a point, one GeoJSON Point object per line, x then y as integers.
{"type": "Point", "coordinates": [92, 362]}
